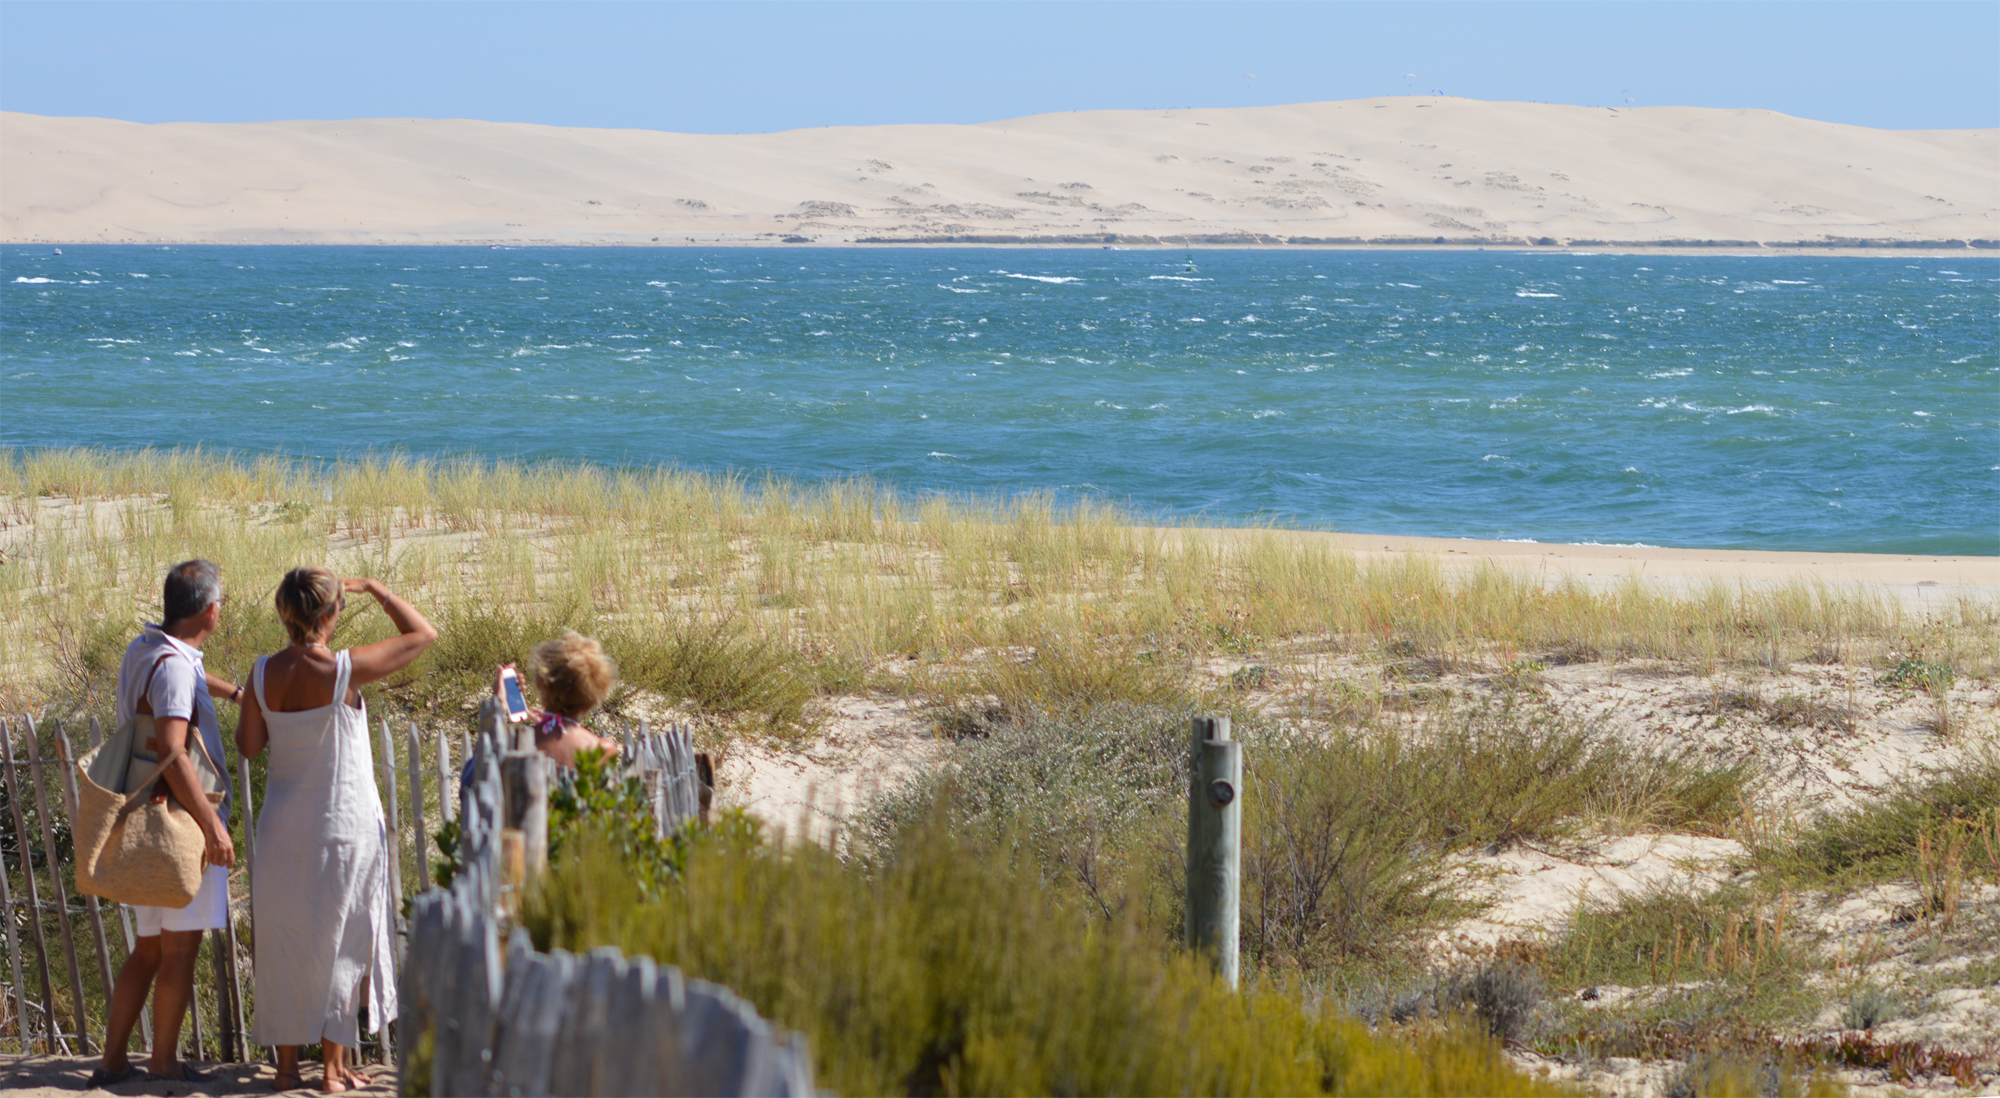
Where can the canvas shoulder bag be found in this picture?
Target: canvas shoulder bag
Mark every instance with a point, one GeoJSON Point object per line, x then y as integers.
{"type": "Point", "coordinates": [135, 843]}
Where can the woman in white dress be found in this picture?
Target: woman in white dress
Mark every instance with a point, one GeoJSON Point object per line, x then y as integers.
{"type": "Point", "coordinates": [319, 885]}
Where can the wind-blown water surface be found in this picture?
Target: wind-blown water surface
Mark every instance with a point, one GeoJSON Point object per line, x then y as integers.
{"type": "Point", "coordinates": [1767, 402]}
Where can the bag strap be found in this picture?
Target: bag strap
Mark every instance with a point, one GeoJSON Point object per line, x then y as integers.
{"type": "Point", "coordinates": [150, 676]}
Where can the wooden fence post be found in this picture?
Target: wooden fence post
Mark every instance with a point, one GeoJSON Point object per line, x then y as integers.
{"type": "Point", "coordinates": [144, 1030]}
{"type": "Point", "coordinates": [225, 1023]}
{"type": "Point", "coordinates": [248, 797]}
{"type": "Point", "coordinates": [417, 811]}
{"type": "Point", "coordinates": [33, 892]}
{"type": "Point", "coordinates": [1215, 841]}
{"type": "Point", "coordinates": [447, 789]}
{"type": "Point", "coordinates": [524, 799]}
{"type": "Point", "coordinates": [56, 885]}
{"type": "Point", "coordinates": [90, 905]}
{"type": "Point", "coordinates": [20, 978]}
{"type": "Point", "coordinates": [395, 830]}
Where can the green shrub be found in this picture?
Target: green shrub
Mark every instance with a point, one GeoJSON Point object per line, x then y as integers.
{"type": "Point", "coordinates": [949, 968]}
{"type": "Point", "coordinates": [1672, 934]}
{"type": "Point", "coordinates": [1877, 839]}
{"type": "Point", "coordinates": [1089, 793]}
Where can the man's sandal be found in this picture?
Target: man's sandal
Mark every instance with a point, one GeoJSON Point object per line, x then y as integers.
{"type": "Point", "coordinates": [103, 1077]}
{"type": "Point", "coordinates": [187, 1075]}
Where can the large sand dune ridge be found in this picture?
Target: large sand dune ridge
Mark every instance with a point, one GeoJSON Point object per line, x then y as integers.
{"type": "Point", "coordinates": [1403, 170]}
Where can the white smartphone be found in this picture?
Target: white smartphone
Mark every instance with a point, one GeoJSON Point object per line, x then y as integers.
{"type": "Point", "coordinates": [508, 690]}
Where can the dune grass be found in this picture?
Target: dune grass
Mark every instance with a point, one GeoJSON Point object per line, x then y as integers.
{"type": "Point", "coordinates": [1954, 810]}
{"type": "Point", "coordinates": [746, 600]}
{"type": "Point", "coordinates": [1061, 651]}
{"type": "Point", "coordinates": [945, 966]}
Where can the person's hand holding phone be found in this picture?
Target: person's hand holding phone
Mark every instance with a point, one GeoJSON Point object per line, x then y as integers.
{"type": "Point", "coordinates": [508, 689]}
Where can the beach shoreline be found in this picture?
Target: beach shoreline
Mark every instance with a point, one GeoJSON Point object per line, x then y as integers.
{"type": "Point", "coordinates": [1603, 565]}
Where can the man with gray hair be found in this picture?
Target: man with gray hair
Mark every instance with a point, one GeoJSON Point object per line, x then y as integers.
{"type": "Point", "coordinates": [163, 676]}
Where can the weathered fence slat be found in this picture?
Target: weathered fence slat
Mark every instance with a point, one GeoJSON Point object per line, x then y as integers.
{"type": "Point", "coordinates": [530, 1018]}
{"type": "Point", "coordinates": [225, 1023]}
{"type": "Point", "coordinates": [665, 1037]}
{"type": "Point", "coordinates": [249, 815]}
{"type": "Point", "coordinates": [630, 1005]}
{"type": "Point", "coordinates": [68, 768]}
{"type": "Point", "coordinates": [585, 1011]}
{"type": "Point", "coordinates": [20, 978]}
{"type": "Point", "coordinates": [144, 1030]}
{"type": "Point", "coordinates": [423, 839]}
{"type": "Point", "coordinates": [195, 1032]}
{"type": "Point", "coordinates": [22, 846]}
{"type": "Point", "coordinates": [395, 828]}
{"type": "Point", "coordinates": [78, 1005]}
{"type": "Point", "coordinates": [476, 980]}
{"type": "Point", "coordinates": [446, 801]}
{"type": "Point", "coordinates": [236, 1012]}
{"type": "Point", "coordinates": [25, 845]}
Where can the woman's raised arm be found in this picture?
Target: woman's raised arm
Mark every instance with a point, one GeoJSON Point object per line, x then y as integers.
{"type": "Point", "coordinates": [386, 657]}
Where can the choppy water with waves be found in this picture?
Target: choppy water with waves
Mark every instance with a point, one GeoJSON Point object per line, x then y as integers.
{"type": "Point", "coordinates": [1758, 402]}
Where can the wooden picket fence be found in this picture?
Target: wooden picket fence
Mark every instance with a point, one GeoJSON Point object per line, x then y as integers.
{"type": "Point", "coordinates": [525, 1022]}
{"type": "Point", "coordinates": [37, 1010]}
{"type": "Point", "coordinates": [61, 948]}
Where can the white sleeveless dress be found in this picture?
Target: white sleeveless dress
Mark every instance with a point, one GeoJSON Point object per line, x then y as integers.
{"type": "Point", "coordinates": [319, 886]}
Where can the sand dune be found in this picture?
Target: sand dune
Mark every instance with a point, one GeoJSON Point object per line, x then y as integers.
{"type": "Point", "coordinates": [1397, 171]}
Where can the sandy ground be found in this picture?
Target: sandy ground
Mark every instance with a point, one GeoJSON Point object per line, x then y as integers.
{"type": "Point", "coordinates": [1916, 580]}
{"type": "Point", "coordinates": [1824, 734]}
{"type": "Point", "coordinates": [46, 1076]}
{"type": "Point", "coordinates": [1400, 170]}
{"type": "Point", "coordinates": [868, 742]}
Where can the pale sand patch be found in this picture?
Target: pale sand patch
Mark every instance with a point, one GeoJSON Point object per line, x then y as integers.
{"type": "Point", "coordinates": [868, 746]}
{"type": "Point", "coordinates": [1535, 891]}
{"type": "Point", "coordinates": [1397, 170]}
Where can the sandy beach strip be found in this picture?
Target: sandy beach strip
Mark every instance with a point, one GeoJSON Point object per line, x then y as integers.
{"type": "Point", "coordinates": [1913, 577]}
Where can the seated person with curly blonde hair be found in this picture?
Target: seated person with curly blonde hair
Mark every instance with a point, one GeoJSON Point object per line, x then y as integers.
{"type": "Point", "coordinates": [571, 675]}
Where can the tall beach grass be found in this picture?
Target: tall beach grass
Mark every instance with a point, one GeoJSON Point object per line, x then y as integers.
{"type": "Point", "coordinates": [746, 600]}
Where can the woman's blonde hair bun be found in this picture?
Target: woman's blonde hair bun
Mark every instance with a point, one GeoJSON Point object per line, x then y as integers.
{"type": "Point", "coordinates": [572, 674]}
{"type": "Point", "coordinates": [305, 597]}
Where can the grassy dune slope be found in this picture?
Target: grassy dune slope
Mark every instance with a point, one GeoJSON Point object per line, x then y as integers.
{"type": "Point", "coordinates": [1711, 828]}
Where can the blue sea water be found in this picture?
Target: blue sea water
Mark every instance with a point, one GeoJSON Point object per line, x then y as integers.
{"type": "Point", "coordinates": [1825, 403]}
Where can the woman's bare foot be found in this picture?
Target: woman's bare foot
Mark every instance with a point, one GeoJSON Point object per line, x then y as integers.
{"type": "Point", "coordinates": [283, 1083]}
{"type": "Point", "coordinates": [340, 1079]}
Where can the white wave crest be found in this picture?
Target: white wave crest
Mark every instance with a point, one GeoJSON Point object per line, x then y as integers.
{"type": "Point", "coordinates": [1532, 293]}
{"type": "Point", "coordinates": [1056, 279]}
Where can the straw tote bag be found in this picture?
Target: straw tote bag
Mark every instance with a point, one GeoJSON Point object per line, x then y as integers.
{"type": "Point", "coordinates": [136, 844]}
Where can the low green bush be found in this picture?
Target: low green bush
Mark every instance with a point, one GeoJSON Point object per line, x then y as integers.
{"type": "Point", "coordinates": [950, 968]}
{"type": "Point", "coordinates": [1877, 839]}
{"type": "Point", "coordinates": [1672, 934]}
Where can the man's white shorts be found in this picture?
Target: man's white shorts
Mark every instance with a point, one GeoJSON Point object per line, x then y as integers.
{"type": "Point", "coordinates": [209, 910]}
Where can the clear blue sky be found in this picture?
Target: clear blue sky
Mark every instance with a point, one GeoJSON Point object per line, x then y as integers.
{"type": "Point", "coordinates": [746, 67]}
